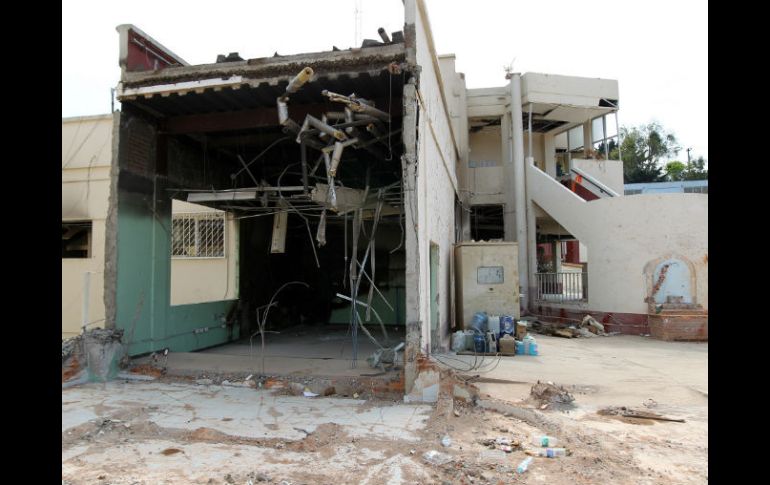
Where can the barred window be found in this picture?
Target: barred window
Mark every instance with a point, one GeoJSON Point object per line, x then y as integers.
{"type": "Point", "coordinates": [200, 235]}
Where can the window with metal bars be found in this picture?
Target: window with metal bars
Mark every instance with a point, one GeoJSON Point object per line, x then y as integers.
{"type": "Point", "coordinates": [199, 235]}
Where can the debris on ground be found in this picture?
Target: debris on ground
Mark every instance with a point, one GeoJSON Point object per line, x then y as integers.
{"type": "Point", "coordinates": [547, 393]}
{"type": "Point", "coordinates": [524, 465]}
{"type": "Point", "coordinates": [626, 412]}
{"type": "Point", "coordinates": [69, 347]}
{"type": "Point", "coordinates": [446, 441]}
{"type": "Point", "coordinates": [436, 457]}
{"type": "Point", "coordinates": [592, 325]}
{"type": "Point", "coordinates": [587, 328]}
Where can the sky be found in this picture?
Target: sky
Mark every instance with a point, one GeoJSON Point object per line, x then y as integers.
{"type": "Point", "coordinates": [657, 50]}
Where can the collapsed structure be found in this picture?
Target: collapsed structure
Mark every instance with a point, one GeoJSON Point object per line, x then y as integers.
{"type": "Point", "coordinates": [350, 174]}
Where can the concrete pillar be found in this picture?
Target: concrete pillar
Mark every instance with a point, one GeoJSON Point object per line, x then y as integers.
{"type": "Point", "coordinates": [519, 185]}
{"type": "Point", "coordinates": [549, 143]}
{"type": "Point", "coordinates": [587, 137]}
{"type": "Point", "coordinates": [557, 256]}
{"type": "Point", "coordinates": [414, 326]}
{"type": "Point", "coordinates": [509, 195]}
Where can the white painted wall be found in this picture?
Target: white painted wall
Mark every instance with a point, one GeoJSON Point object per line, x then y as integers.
{"type": "Point", "coordinates": [197, 280]}
{"type": "Point", "coordinates": [485, 183]}
{"type": "Point", "coordinates": [623, 234]}
{"type": "Point", "coordinates": [436, 181]}
{"type": "Point", "coordinates": [86, 161]}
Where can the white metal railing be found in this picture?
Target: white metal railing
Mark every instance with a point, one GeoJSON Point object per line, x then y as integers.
{"type": "Point", "coordinates": [561, 287]}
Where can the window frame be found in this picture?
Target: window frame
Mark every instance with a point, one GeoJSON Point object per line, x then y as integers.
{"type": "Point", "coordinates": [199, 217]}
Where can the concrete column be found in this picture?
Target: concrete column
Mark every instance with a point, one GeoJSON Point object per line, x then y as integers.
{"type": "Point", "coordinates": [465, 219]}
{"type": "Point", "coordinates": [412, 274]}
{"type": "Point", "coordinates": [587, 137]}
{"type": "Point", "coordinates": [519, 185]}
{"type": "Point", "coordinates": [557, 256]}
{"type": "Point", "coordinates": [549, 145]}
{"type": "Point", "coordinates": [509, 196]}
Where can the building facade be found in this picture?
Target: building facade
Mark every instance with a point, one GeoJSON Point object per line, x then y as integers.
{"type": "Point", "coordinates": [355, 172]}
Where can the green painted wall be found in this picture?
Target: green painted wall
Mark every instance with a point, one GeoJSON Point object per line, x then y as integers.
{"type": "Point", "coordinates": [143, 306]}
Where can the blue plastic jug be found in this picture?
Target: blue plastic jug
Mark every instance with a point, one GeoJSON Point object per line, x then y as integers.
{"type": "Point", "coordinates": [506, 325]}
{"type": "Point", "coordinates": [479, 343]}
{"type": "Point", "coordinates": [479, 322]}
{"type": "Point", "coordinates": [519, 347]}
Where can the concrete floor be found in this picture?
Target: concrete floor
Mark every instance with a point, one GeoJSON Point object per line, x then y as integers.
{"type": "Point", "coordinates": [324, 351]}
{"type": "Point", "coordinates": [250, 413]}
{"type": "Point", "coordinates": [618, 369]}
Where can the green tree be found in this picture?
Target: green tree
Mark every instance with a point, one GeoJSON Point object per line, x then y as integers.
{"type": "Point", "coordinates": [642, 150]}
{"type": "Point", "coordinates": [696, 170]}
{"type": "Point", "coordinates": [675, 171]}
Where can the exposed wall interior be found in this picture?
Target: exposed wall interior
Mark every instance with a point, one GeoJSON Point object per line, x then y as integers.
{"type": "Point", "coordinates": [233, 149]}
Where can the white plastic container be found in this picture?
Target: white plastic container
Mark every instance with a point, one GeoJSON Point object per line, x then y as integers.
{"type": "Point", "coordinates": [458, 341]}
{"type": "Point", "coordinates": [493, 324]}
{"type": "Point", "coordinates": [552, 452]}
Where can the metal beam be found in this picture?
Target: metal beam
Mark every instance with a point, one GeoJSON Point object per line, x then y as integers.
{"type": "Point", "coordinates": [246, 119]}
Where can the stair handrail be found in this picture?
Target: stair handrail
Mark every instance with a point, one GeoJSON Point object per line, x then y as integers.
{"type": "Point", "coordinates": [595, 182]}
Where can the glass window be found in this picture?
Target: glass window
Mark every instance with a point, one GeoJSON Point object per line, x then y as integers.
{"type": "Point", "coordinates": [597, 129]}
{"type": "Point", "coordinates": [76, 239]}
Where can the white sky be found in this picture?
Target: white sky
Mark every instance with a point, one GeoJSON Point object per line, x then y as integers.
{"type": "Point", "coordinates": [657, 50]}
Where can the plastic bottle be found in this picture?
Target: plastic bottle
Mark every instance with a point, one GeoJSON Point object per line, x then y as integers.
{"type": "Point", "coordinates": [544, 441]}
{"type": "Point", "coordinates": [524, 465]}
{"type": "Point", "coordinates": [530, 345]}
{"type": "Point", "coordinates": [520, 348]}
{"type": "Point", "coordinates": [552, 452]}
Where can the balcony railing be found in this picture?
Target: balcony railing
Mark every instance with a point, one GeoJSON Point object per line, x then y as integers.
{"type": "Point", "coordinates": [562, 287]}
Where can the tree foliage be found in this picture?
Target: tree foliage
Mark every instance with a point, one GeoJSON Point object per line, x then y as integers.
{"type": "Point", "coordinates": [675, 171]}
{"type": "Point", "coordinates": [642, 149]}
{"type": "Point", "coordinates": [696, 170]}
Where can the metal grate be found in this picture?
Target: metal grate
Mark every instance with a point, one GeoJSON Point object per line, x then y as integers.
{"type": "Point", "coordinates": [200, 235]}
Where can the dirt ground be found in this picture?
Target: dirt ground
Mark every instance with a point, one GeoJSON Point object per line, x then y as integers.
{"type": "Point", "coordinates": [165, 432]}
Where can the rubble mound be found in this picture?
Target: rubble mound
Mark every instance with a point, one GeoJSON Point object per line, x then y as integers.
{"type": "Point", "coordinates": [547, 393]}
{"type": "Point", "coordinates": [69, 346]}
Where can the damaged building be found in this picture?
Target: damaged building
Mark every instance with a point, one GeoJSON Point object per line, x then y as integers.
{"type": "Point", "coordinates": [350, 175]}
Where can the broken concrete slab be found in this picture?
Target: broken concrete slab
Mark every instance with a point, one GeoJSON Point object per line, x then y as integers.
{"type": "Point", "coordinates": [254, 413]}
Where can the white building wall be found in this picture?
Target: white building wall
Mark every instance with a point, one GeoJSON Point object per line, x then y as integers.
{"type": "Point", "coordinates": [436, 158]}
{"type": "Point", "coordinates": [623, 234]}
{"type": "Point", "coordinates": [486, 179]}
{"type": "Point", "coordinates": [198, 280]}
{"type": "Point", "coordinates": [86, 160]}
